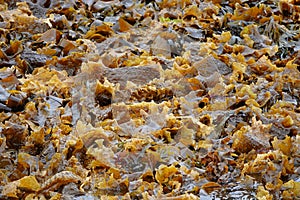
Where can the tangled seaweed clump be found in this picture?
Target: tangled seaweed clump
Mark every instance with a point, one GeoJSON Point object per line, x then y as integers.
{"type": "Point", "coordinates": [149, 99]}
